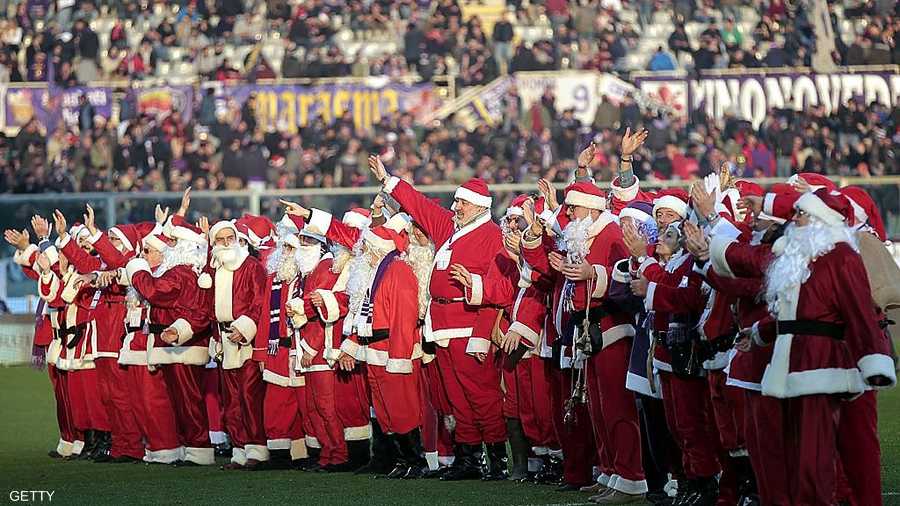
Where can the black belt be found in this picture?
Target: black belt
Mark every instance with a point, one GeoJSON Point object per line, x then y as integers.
{"type": "Point", "coordinates": [377, 335]}
{"type": "Point", "coordinates": [285, 342]}
{"type": "Point", "coordinates": [444, 300]}
{"type": "Point", "coordinates": [156, 328]}
{"type": "Point", "coordinates": [810, 328]}
{"type": "Point", "coordinates": [77, 332]}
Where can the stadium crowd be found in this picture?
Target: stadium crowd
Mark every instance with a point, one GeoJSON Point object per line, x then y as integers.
{"type": "Point", "coordinates": [718, 346]}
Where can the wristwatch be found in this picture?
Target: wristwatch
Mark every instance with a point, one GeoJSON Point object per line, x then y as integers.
{"type": "Point", "coordinates": [711, 216]}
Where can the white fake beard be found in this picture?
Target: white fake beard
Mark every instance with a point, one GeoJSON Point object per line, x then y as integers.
{"type": "Point", "coordinates": [359, 279]}
{"type": "Point", "coordinates": [308, 258]}
{"type": "Point", "coordinates": [800, 247]}
{"type": "Point", "coordinates": [229, 256]}
{"type": "Point", "coordinates": [282, 265]}
{"type": "Point", "coordinates": [342, 257]}
{"type": "Point", "coordinates": [575, 237]}
{"type": "Point", "coordinates": [421, 258]}
{"type": "Point", "coordinates": [182, 253]}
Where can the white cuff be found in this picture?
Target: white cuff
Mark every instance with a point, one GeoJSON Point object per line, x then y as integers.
{"type": "Point", "coordinates": [717, 249]}
{"type": "Point", "coordinates": [246, 326]}
{"type": "Point", "coordinates": [475, 295]}
{"type": "Point", "coordinates": [601, 282]}
{"type": "Point", "coordinates": [24, 257]}
{"type": "Point", "coordinates": [297, 305]}
{"type": "Point", "coordinates": [135, 265]}
{"type": "Point", "coordinates": [350, 347]}
{"type": "Point", "coordinates": [478, 345]}
{"type": "Point", "coordinates": [756, 337]}
{"type": "Point", "coordinates": [62, 241]}
{"type": "Point", "coordinates": [645, 264]}
{"type": "Point", "coordinates": [703, 271]}
{"type": "Point", "coordinates": [183, 328]}
{"type": "Point", "coordinates": [529, 337]}
{"type": "Point", "coordinates": [331, 311]}
{"type": "Point", "coordinates": [391, 184]}
{"type": "Point", "coordinates": [307, 348]}
{"type": "Point", "coordinates": [877, 364]}
{"type": "Point", "coordinates": [96, 237]}
{"type": "Point", "coordinates": [399, 366]}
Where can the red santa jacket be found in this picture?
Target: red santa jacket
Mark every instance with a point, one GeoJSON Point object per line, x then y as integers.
{"type": "Point", "coordinates": [473, 246]}
{"type": "Point", "coordinates": [237, 304]}
{"type": "Point", "coordinates": [395, 341]}
{"type": "Point", "coordinates": [71, 319]}
{"type": "Point", "coordinates": [320, 330]}
{"type": "Point", "coordinates": [281, 368]}
{"type": "Point", "coordinates": [837, 293]}
{"type": "Point", "coordinates": [175, 302]}
{"type": "Point", "coordinates": [494, 291]}
{"type": "Point", "coordinates": [606, 248]}
{"type": "Point", "coordinates": [27, 260]}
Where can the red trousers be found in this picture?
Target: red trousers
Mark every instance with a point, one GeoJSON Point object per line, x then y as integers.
{"type": "Point", "coordinates": [473, 389]}
{"type": "Point", "coordinates": [575, 438]}
{"type": "Point", "coordinates": [351, 390]}
{"type": "Point", "coordinates": [154, 414]}
{"type": "Point", "coordinates": [68, 434]}
{"type": "Point", "coordinates": [763, 420]}
{"type": "Point", "coordinates": [213, 399]}
{"type": "Point", "coordinates": [859, 448]}
{"type": "Point", "coordinates": [615, 420]}
{"type": "Point", "coordinates": [114, 394]}
{"type": "Point", "coordinates": [728, 412]}
{"type": "Point", "coordinates": [690, 419]}
{"type": "Point", "coordinates": [510, 387]}
{"type": "Point", "coordinates": [243, 396]}
{"type": "Point", "coordinates": [435, 436]}
{"type": "Point", "coordinates": [322, 415]}
{"type": "Point", "coordinates": [84, 393]}
{"type": "Point", "coordinates": [396, 399]}
{"type": "Point", "coordinates": [810, 442]}
{"type": "Point", "coordinates": [535, 406]}
{"type": "Point", "coordinates": [185, 386]}
{"type": "Point", "coordinates": [283, 412]}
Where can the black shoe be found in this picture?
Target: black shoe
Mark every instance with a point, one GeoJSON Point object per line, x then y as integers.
{"type": "Point", "coordinates": [658, 499]}
{"type": "Point", "coordinates": [53, 454]}
{"type": "Point", "coordinates": [519, 449]}
{"type": "Point", "coordinates": [314, 467]}
{"type": "Point", "coordinates": [344, 467]}
{"type": "Point", "coordinates": [104, 445]}
{"type": "Point", "coordinates": [358, 453]}
{"type": "Point", "coordinates": [415, 472]}
{"type": "Point", "coordinates": [398, 472]}
{"type": "Point", "coordinates": [498, 468]}
{"type": "Point", "coordinates": [433, 474]}
{"type": "Point", "coordinates": [705, 492]}
{"type": "Point", "coordinates": [103, 459]}
{"type": "Point", "coordinates": [746, 481]}
{"type": "Point", "coordinates": [222, 449]}
{"type": "Point", "coordinates": [551, 472]}
{"type": "Point", "coordinates": [91, 440]}
{"type": "Point", "coordinates": [570, 487]}
{"type": "Point", "coordinates": [377, 465]}
{"type": "Point", "coordinates": [278, 460]}
{"type": "Point", "coordinates": [185, 463]}
{"type": "Point", "coordinates": [467, 465]}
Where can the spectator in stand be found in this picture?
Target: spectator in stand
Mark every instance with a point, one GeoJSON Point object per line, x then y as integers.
{"type": "Point", "coordinates": [502, 38]}
{"type": "Point", "coordinates": [661, 61]}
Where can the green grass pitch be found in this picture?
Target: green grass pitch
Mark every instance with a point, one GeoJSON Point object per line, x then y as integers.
{"type": "Point", "coordinates": [27, 432]}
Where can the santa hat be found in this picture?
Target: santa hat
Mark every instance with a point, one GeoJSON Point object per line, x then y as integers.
{"type": "Point", "coordinates": [358, 217]}
{"type": "Point", "coordinates": [830, 207]}
{"type": "Point", "coordinates": [256, 230]}
{"type": "Point", "coordinates": [585, 194]}
{"type": "Point", "coordinates": [131, 234]}
{"type": "Point", "coordinates": [749, 188]}
{"type": "Point", "coordinates": [159, 242]}
{"type": "Point", "coordinates": [474, 191]}
{"type": "Point", "coordinates": [179, 228]}
{"type": "Point", "coordinates": [814, 180]}
{"type": "Point", "coordinates": [399, 222]}
{"type": "Point", "coordinates": [516, 207]}
{"type": "Point", "coordinates": [639, 211]}
{"type": "Point", "coordinates": [675, 199]}
{"type": "Point", "coordinates": [386, 239]}
{"type": "Point", "coordinates": [778, 203]}
{"type": "Point", "coordinates": [289, 225]}
{"type": "Point", "coordinates": [79, 231]}
{"type": "Point", "coordinates": [220, 226]}
{"type": "Point", "coordinates": [865, 211]}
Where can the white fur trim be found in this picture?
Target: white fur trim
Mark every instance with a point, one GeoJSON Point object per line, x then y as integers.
{"type": "Point", "coordinates": [470, 196]}
{"type": "Point", "coordinates": [628, 193]}
{"type": "Point", "coordinates": [359, 433]}
{"type": "Point", "coordinates": [635, 213]}
{"type": "Point", "coordinates": [398, 222]}
{"type": "Point", "coordinates": [202, 456]}
{"type": "Point", "coordinates": [135, 265]}
{"type": "Point", "coordinates": [670, 202]}
{"type": "Point", "coordinates": [478, 345]}
{"type": "Point", "coordinates": [630, 487]}
{"type": "Point", "coordinates": [278, 444]}
{"type": "Point", "coordinates": [577, 198]}
{"type": "Point", "coordinates": [390, 184]}
{"type": "Point", "coordinates": [186, 234]}
{"type": "Point", "coordinates": [155, 243]}
{"type": "Point", "coordinates": [353, 349]}
{"type": "Point", "coordinates": [188, 355]}
{"type": "Point", "coordinates": [639, 384]}
{"type": "Point", "coordinates": [332, 311]}
{"type": "Point", "coordinates": [312, 442]}
{"type": "Point", "coordinates": [307, 348]}
{"type": "Point", "coordinates": [246, 326]}
{"type": "Point", "coordinates": [768, 206]}
{"type": "Point", "coordinates": [356, 220]}
{"type": "Point", "coordinates": [446, 334]}
{"type": "Point", "coordinates": [878, 364]}
{"type": "Point", "coordinates": [619, 275]}
{"type": "Point", "coordinates": [755, 336]}
{"type": "Point", "coordinates": [218, 227]}
{"type": "Point", "coordinates": [813, 205]}
{"type": "Point", "coordinates": [204, 280]}
{"type": "Point", "coordinates": [257, 452]}
{"type": "Point", "coordinates": [238, 456]}
{"type": "Point", "coordinates": [116, 231]}
{"type": "Point", "coordinates": [399, 366]}
{"type": "Point", "coordinates": [23, 258]}
{"type": "Point", "coordinates": [297, 305]}
{"type": "Point", "coordinates": [283, 381]}
{"type": "Point", "coordinates": [645, 264]}
{"type": "Point", "coordinates": [319, 222]}
{"type": "Point", "coordinates": [183, 328]}
{"type": "Point", "coordinates": [52, 254]}
{"type": "Point", "coordinates": [298, 449]}
{"type": "Point", "coordinates": [475, 295]}
{"type": "Point", "coordinates": [223, 295]}
{"type": "Point", "coordinates": [431, 458]}
{"type": "Point", "coordinates": [529, 335]}
{"type": "Point", "coordinates": [164, 456]}
{"type": "Point", "coordinates": [64, 448]}
{"type": "Point", "coordinates": [514, 211]}
{"type": "Point", "coordinates": [61, 242]}
{"type": "Point", "coordinates": [378, 242]}
{"type": "Point", "coordinates": [604, 479]}
{"type": "Point", "coordinates": [601, 282]}
{"type": "Point", "coordinates": [616, 333]}
{"type": "Point", "coordinates": [648, 299]}
{"type": "Point", "coordinates": [717, 249]}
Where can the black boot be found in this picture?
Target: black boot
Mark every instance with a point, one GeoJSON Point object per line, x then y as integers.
{"type": "Point", "coordinates": [223, 449]}
{"type": "Point", "coordinates": [104, 447]}
{"type": "Point", "coordinates": [384, 455]}
{"type": "Point", "coordinates": [519, 447]}
{"type": "Point", "coordinates": [415, 455]}
{"type": "Point", "coordinates": [90, 445]}
{"type": "Point", "coordinates": [498, 468]}
{"type": "Point", "coordinates": [748, 495]}
{"type": "Point", "coordinates": [401, 467]}
{"type": "Point", "coordinates": [358, 453]}
{"type": "Point", "coordinates": [278, 460]}
{"type": "Point", "coordinates": [467, 465]}
{"type": "Point", "coordinates": [705, 492]}
{"type": "Point", "coordinates": [551, 472]}
{"type": "Point", "coordinates": [312, 462]}
{"type": "Point", "coordinates": [685, 489]}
